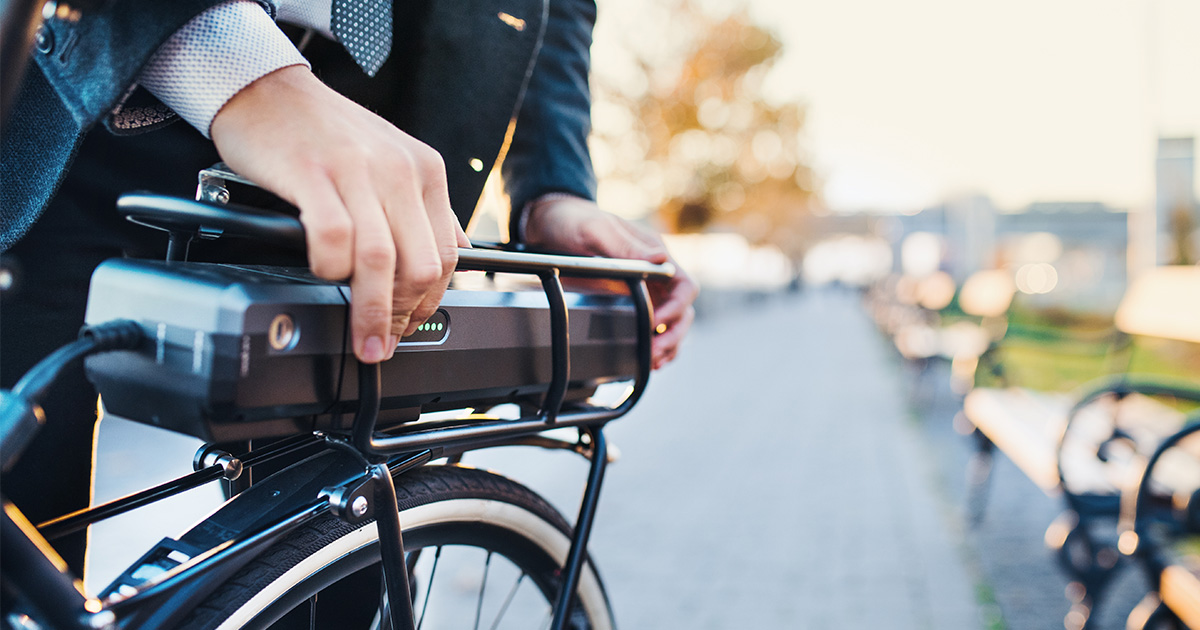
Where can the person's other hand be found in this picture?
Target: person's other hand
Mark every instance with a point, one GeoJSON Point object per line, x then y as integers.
{"type": "Point", "coordinates": [577, 226]}
{"type": "Point", "coordinates": [373, 200]}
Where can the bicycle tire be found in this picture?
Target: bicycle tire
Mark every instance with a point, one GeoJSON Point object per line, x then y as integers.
{"type": "Point", "coordinates": [440, 506]}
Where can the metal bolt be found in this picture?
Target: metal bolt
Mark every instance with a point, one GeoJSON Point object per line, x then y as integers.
{"type": "Point", "coordinates": [214, 193]}
{"type": "Point", "coordinates": [207, 457]}
{"type": "Point", "coordinates": [358, 507]}
{"type": "Point", "coordinates": [231, 467]}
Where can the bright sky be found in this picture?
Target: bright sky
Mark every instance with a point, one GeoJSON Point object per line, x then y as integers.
{"type": "Point", "coordinates": [911, 102]}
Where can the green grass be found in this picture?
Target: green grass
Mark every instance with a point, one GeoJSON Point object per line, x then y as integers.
{"type": "Point", "coordinates": [1054, 352]}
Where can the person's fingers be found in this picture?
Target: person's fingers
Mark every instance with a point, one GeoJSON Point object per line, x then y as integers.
{"type": "Point", "coordinates": [418, 265]}
{"type": "Point", "coordinates": [665, 346]}
{"type": "Point", "coordinates": [448, 236]}
{"type": "Point", "coordinates": [672, 298]}
{"type": "Point", "coordinates": [664, 359]}
{"type": "Point", "coordinates": [374, 262]}
{"type": "Point", "coordinates": [328, 228]}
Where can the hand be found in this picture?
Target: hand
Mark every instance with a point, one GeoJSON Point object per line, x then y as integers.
{"type": "Point", "coordinates": [578, 226]}
{"type": "Point", "coordinates": [373, 200]}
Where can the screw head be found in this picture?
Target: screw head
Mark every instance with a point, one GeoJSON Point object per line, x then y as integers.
{"type": "Point", "coordinates": [358, 507]}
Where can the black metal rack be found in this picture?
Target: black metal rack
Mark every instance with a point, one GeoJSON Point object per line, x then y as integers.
{"type": "Point", "coordinates": [382, 455]}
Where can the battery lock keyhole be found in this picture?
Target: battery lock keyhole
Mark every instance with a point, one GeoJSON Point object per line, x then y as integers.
{"type": "Point", "coordinates": [283, 333]}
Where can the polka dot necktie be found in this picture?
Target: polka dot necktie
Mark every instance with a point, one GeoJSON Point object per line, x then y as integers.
{"type": "Point", "coordinates": [364, 27]}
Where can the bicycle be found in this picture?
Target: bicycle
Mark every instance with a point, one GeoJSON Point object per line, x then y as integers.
{"type": "Point", "coordinates": [239, 354]}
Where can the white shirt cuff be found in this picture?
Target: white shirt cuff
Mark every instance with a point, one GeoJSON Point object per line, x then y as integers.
{"type": "Point", "coordinates": [212, 57]}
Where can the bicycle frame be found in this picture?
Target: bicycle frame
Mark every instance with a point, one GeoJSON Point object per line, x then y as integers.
{"type": "Point", "coordinates": [348, 475]}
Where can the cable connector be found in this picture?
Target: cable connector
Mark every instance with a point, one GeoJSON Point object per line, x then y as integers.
{"type": "Point", "coordinates": [119, 334]}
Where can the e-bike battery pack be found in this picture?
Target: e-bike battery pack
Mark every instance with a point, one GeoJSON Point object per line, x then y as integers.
{"type": "Point", "coordinates": [241, 352]}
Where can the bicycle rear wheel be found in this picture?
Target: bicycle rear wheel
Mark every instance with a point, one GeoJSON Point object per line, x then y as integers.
{"type": "Point", "coordinates": [483, 552]}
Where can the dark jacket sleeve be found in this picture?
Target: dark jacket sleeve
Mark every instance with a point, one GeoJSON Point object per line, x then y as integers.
{"type": "Point", "coordinates": [549, 150]}
{"type": "Point", "coordinates": [92, 57]}
{"type": "Point", "coordinates": [87, 57]}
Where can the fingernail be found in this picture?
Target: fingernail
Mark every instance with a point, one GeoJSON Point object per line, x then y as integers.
{"type": "Point", "coordinates": [372, 351]}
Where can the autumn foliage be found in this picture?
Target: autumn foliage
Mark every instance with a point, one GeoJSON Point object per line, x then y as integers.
{"type": "Point", "coordinates": [702, 142]}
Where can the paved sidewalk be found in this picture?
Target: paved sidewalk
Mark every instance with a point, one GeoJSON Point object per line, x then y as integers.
{"type": "Point", "coordinates": [772, 479]}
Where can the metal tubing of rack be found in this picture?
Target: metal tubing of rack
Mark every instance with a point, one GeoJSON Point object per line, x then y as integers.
{"type": "Point", "coordinates": [178, 244]}
{"type": "Point", "coordinates": [75, 521]}
{"type": "Point", "coordinates": [478, 259]}
{"type": "Point", "coordinates": [188, 217]}
{"type": "Point", "coordinates": [367, 442]}
{"type": "Point", "coordinates": [560, 346]}
{"type": "Point", "coordinates": [387, 518]}
{"type": "Point", "coordinates": [583, 529]}
{"type": "Point", "coordinates": [391, 550]}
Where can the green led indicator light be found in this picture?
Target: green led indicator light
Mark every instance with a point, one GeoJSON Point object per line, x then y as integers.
{"type": "Point", "coordinates": [439, 327]}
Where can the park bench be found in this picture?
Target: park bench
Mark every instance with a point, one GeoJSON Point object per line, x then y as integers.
{"type": "Point", "coordinates": [918, 315]}
{"type": "Point", "coordinates": [1160, 526]}
{"type": "Point", "coordinates": [1086, 447]}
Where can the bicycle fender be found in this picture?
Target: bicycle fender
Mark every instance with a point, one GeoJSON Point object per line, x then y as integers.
{"type": "Point", "coordinates": [229, 539]}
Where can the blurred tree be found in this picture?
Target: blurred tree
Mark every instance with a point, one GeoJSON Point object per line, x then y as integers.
{"type": "Point", "coordinates": [707, 149]}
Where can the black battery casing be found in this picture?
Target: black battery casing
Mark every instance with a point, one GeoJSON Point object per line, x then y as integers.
{"type": "Point", "coordinates": [239, 352]}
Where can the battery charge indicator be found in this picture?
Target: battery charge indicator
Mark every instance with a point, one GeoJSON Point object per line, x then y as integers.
{"type": "Point", "coordinates": [434, 330]}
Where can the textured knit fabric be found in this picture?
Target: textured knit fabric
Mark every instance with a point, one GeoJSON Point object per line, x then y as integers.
{"type": "Point", "coordinates": [213, 57]}
{"type": "Point", "coordinates": [364, 27]}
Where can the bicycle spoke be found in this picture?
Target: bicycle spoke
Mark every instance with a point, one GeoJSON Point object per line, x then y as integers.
{"type": "Point", "coordinates": [383, 614]}
{"type": "Point", "coordinates": [487, 564]}
{"type": "Point", "coordinates": [312, 612]}
{"type": "Point", "coordinates": [429, 587]}
{"type": "Point", "coordinates": [508, 600]}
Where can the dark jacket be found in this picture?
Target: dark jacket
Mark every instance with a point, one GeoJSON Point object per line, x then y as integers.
{"type": "Point", "coordinates": [459, 72]}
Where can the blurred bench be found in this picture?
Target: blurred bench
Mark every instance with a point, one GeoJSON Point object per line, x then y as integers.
{"type": "Point", "coordinates": [1160, 523]}
{"type": "Point", "coordinates": [917, 314]}
{"type": "Point", "coordinates": [1086, 447]}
